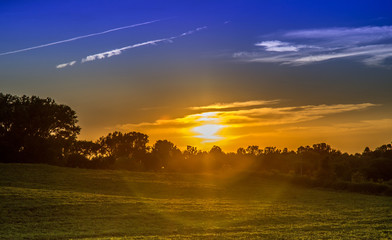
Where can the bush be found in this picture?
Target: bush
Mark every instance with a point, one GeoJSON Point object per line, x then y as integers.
{"type": "Point", "coordinates": [77, 160]}
{"type": "Point", "coordinates": [368, 187]}
{"type": "Point", "coordinates": [388, 192]}
{"type": "Point", "coordinates": [340, 185]}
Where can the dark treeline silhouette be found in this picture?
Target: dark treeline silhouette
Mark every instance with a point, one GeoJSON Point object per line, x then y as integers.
{"type": "Point", "coordinates": [35, 130]}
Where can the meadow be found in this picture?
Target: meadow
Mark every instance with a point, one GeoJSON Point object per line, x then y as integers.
{"type": "Point", "coordinates": [48, 202]}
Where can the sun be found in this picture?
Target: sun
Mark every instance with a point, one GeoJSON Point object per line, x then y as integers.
{"type": "Point", "coordinates": [208, 132]}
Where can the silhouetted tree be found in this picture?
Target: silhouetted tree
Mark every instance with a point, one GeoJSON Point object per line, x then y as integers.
{"type": "Point", "coordinates": [33, 129]}
{"type": "Point", "coordinates": [241, 151]}
{"type": "Point", "coordinates": [88, 149]}
{"type": "Point", "coordinates": [322, 148]}
{"type": "Point", "coordinates": [216, 159]}
{"type": "Point", "coordinates": [190, 152]}
{"type": "Point", "coordinates": [366, 151]}
{"type": "Point", "coordinates": [165, 155]}
{"type": "Point", "coordinates": [128, 149]}
{"type": "Point", "coordinates": [253, 150]}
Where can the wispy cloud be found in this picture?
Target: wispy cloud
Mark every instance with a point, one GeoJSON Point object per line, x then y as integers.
{"type": "Point", "coordinates": [371, 45]}
{"type": "Point", "coordinates": [362, 34]}
{"type": "Point", "coordinates": [236, 104]}
{"type": "Point", "coordinates": [118, 51]}
{"type": "Point", "coordinates": [77, 38]}
{"type": "Point", "coordinates": [267, 116]}
{"type": "Point", "coordinates": [278, 46]}
{"type": "Point", "coordinates": [259, 116]}
{"type": "Point", "coordinates": [63, 65]}
{"type": "Point", "coordinates": [339, 128]}
{"type": "Point", "coordinates": [208, 124]}
{"type": "Point", "coordinates": [372, 55]}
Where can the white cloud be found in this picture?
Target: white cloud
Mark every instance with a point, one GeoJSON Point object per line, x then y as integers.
{"type": "Point", "coordinates": [277, 46]}
{"type": "Point", "coordinates": [370, 45]}
{"type": "Point", "coordinates": [368, 33]}
{"type": "Point", "coordinates": [322, 57]}
{"type": "Point", "coordinates": [63, 65]}
{"type": "Point", "coordinates": [118, 51]}
{"type": "Point", "coordinates": [372, 55]}
{"type": "Point", "coordinates": [192, 31]}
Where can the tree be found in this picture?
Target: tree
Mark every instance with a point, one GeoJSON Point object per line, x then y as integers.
{"type": "Point", "coordinates": [88, 149]}
{"type": "Point", "coordinates": [271, 150]}
{"type": "Point", "coordinates": [322, 148]}
{"type": "Point", "coordinates": [33, 129]}
{"type": "Point", "coordinates": [253, 150]}
{"type": "Point", "coordinates": [216, 160]}
{"type": "Point", "coordinates": [190, 152]}
{"type": "Point", "coordinates": [163, 152]}
{"type": "Point", "coordinates": [127, 148]}
{"type": "Point", "coordinates": [241, 151]}
{"type": "Point", "coordinates": [366, 151]}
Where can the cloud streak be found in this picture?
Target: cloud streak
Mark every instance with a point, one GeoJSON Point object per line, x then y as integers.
{"type": "Point", "coordinates": [370, 45]}
{"type": "Point", "coordinates": [363, 34]}
{"type": "Point", "coordinates": [78, 37]}
{"type": "Point", "coordinates": [278, 46]}
{"type": "Point", "coordinates": [66, 64]}
{"type": "Point", "coordinates": [345, 128]}
{"type": "Point", "coordinates": [235, 104]}
{"type": "Point", "coordinates": [118, 51]}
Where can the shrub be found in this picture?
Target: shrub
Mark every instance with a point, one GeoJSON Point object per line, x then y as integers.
{"type": "Point", "coordinates": [77, 160]}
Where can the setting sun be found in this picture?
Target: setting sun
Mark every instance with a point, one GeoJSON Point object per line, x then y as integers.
{"type": "Point", "coordinates": [208, 132]}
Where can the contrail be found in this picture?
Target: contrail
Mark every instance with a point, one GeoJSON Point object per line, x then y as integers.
{"type": "Point", "coordinates": [77, 38]}
{"type": "Point", "coordinates": [118, 51]}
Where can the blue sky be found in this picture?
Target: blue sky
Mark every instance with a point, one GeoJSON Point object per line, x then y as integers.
{"type": "Point", "coordinates": [133, 63]}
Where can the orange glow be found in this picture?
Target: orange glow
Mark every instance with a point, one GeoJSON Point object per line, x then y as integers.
{"type": "Point", "coordinates": [248, 123]}
{"type": "Point", "coordinates": [209, 128]}
{"type": "Point", "coordinates": [208, 132]}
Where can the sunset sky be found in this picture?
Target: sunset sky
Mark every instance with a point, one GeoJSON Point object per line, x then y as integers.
{"type": "Point", "coordinates": [204, 73]}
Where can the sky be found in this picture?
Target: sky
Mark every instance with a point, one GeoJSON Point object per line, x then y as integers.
{"type": "Point", "coordinates": [203, 73]}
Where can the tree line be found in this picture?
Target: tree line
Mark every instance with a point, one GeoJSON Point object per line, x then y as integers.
{"type": "Point", "coordinates": [36, 130]}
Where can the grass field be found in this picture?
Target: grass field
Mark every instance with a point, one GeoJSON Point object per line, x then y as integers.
{"type": "Point", "coordinates": [46, 202]}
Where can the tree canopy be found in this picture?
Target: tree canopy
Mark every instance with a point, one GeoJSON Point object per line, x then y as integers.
{"type": "Point", "coordinates": [35, 129]}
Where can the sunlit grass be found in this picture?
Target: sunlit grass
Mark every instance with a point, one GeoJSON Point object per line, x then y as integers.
{"type": "Point", "coordinates": [40, 202]}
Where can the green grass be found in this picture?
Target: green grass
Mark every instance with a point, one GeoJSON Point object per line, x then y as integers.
{"type": "Point", "coordinates": [46, 202]}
